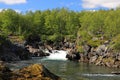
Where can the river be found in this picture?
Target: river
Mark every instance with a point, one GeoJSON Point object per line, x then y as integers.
{"type": "Point", "coordinates": [69, 70]}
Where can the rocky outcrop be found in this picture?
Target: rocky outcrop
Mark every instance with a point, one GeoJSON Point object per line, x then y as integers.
{"type": "Point", "coordinates": [36, 52]}
{"type": "Point", "coordinates": [13, 52]}
{"type": "Point", "coordinates": [32, 72]}
{"type": "Point", "coordinates": [73, 55]}
{"type": "Point", "coordinates": [35, 46]}
{"type": "Point", "coordinates": [101, 55]}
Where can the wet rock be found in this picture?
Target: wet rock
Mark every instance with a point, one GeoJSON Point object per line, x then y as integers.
{"type": "Point", "coordinates": [116, 73]}
{"type": "Point", "coordinates": [34, 72]}
{"type": "Point", "coordinates": [73, 55]}
{"type": "Point", "coordinates": [5, 72]}
{"type": "Point", "coordinates": [49, 48]}
{"type": "Point", "coordinates": [36, 52]}
{"type": "Point", "coordinates": [40, 54]}
{"type": "Point", "coordinates": [9, 57]}
{"type": "Point", "coordinates": [93, 59]}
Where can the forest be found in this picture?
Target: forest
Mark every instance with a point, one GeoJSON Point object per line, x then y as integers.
{"type": "Point", "coordinates": [91, 27]}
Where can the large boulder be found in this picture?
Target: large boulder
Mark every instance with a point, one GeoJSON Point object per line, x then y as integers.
{"type": "Point", "coordinates": [13, 52]}
{"type": "Point", "coordinates": [87, 49]}
{"type": "Point", "coordinates": [101, 50]}
{"type": "Point", "coordinates": [36, 47]}
{"type": "Point", "coordinates": [73, 55]}
{"type": "Point", "coordinates": [34, 72]}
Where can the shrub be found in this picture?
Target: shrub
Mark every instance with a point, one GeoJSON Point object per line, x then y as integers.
{"type": "Point", "coordinates": [116, 43]}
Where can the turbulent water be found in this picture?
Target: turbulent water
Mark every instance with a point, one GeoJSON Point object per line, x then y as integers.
{"type": "Point", "coordinates": [57, 55]}
{"type": "Point", "coordinates": [68, 70]}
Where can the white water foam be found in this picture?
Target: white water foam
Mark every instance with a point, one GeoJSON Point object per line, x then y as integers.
{"type": "Point", "coordinates": [105, 75]}
{"type": "Point", "coordinates": [57, 55]}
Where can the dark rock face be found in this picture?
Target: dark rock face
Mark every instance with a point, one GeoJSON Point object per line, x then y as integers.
{"type": "Point", "coordinates": [76, 56]}
{"type": "Point", "coordinates": [5, 72]}
{"type": "Point", "coordinates": [73, 55]}
{"type": "Point", "coordinates": [12, 52]}
{"type": "Point", "coordinates": [35, 46]}
{"type": "Point", "coordinates": [33, 40]}
{"type": "Point", "coordinates": [37, 52]}
{"type": "Point", "coordinates": [32, 72]}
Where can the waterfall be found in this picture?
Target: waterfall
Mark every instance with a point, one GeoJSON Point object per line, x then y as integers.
{"type": "Point", "coordinates": [57, 55]}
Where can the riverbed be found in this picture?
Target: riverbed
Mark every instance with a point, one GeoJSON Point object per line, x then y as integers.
{"type": "Point", "coordinates": [69, 70]}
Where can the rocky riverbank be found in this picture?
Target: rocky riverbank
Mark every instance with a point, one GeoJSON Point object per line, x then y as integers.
{"type": "Point", "coordinates": [32, 72]}
{"type": "Point", "coordinates": [15, 51]}
{"type": "Point", "coordinates": [102, 55]}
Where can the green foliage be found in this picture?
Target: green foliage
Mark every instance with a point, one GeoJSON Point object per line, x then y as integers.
{"type": "Point", "coordinates": [2, 39]}
{"type": "Point", "coordinates": [62, 23]}
{"type": "Point", "coordinates": [84, 35]}
{"type": "Point", "coordinates": [102, 24]}
{"type": "Point", "coordinates": [54, 37]}
{"type": "Point", "coordinates": [116, 43]}
{"type": "Point", "coordinates": [95, 43]}
{"type": "Point", "coordinates": [80, 49]}
{"type": "Point", "coordinates": [116, 47]}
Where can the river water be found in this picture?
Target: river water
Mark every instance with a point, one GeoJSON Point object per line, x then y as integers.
{"type": "Point", "coordinates": [69, 70]}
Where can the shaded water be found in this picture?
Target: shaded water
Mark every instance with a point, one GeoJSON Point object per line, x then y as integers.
{"type": "Point", "coordinates": [69, 70]}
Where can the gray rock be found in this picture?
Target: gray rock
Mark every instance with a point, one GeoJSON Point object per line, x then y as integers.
{"type": "Point", "coordinates": [101, 50]}
{"type": "Point", "coordinates": [73, 55]}
{"type": "Point", "coordinates": [93, 59]}
{"type": "Point", "coordinates": [37, 52]}
{"type": "Point", "coordinates": [87, 49]}
{"type": "Point", "coordinates": [118, 58]}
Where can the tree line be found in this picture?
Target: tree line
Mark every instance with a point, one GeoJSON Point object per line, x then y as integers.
{"type": "Point", "coordinates": [49, 24]}
{"type": "Point", "coordinates": [93, 27]}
